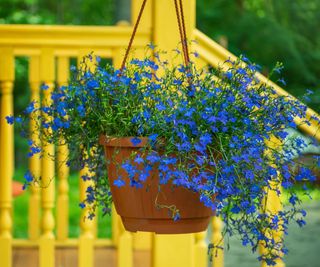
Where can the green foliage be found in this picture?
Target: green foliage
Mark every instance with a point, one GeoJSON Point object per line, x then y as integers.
{"type": "Point", "coordinates": [269, 31]}
{"type": "Point", "coordinates": [76, 12]}
{"type": "Point", "coordinates": [21, 206]}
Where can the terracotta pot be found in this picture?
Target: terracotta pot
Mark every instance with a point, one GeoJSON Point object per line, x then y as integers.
{"type": "Point", "coordinates": [138, 208]}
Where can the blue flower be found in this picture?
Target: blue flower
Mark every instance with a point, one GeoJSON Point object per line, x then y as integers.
{"type": "Point", "coordinates": [235, 209]}
{"type": "Point", "coordinates": [18, 120]}
{"type": "Point", "coordinates": [119, 182]}
{"type": "Point", "coordinates": [44, 87]}
{"type": "Point", "coordinates": [81, 110]}
{"type": "Point", "coordinates": [176, 216]}
{"type": "Point", "coordinates": [30, 108]}
{"type": "Point", "coordinates": [139, 160]}
{"type": "Point", "coordinates": [10, 119]}
{"type": "Point", "coordinates": [205, 139]}
{"type": "Point", "coordinates": [151, 46]}
{"type": "Point", "coordinates": [28, 176]}
{"type": "Point", "coordinates": [135, 141]}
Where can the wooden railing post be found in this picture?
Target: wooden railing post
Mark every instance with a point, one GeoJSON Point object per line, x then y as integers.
{"type": "Point", "coordinates": [6, 155]}
{"type": "Point", "coordinates": [216, 239]}
{"type": "Point", "coordinates": [34, 161]}
{"type": "Point", "coordinates": [272, 202]}
{"type": "Point", "coordinates": [46, 244]}
{"type": "Point", "coordinates": [86, 248]}
{"type": "Point", "coordinates": [165, 27]}
{"type": "Point", "coordinates": [63, 169]}
{"type": "Point", "coordinates": [172, 250]}
{"type": "Point", "coordinates": [272, 205]}
{"type": "Point", "coordinates": [125, 248]}
{"type": "Point", "coordinates": [201, 250]}
{"type": "Point", "coordinates": [88, 226]}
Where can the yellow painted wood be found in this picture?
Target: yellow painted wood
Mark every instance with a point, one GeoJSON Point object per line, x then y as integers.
{"type": "Point", "coordinates": [91, 65]}
{"type": "Point", "coordinates": [115, 226]}
{"type": "Point", "coordinates": [63, 169]}
{"type": "Point", "coordinates": [46, 242]}
{"type": "Point", "coordinates": [166, 31]}
{"type": "Point", "coordinates": [34, 161]}
{"type": "Point", "coordinates": [68, 243]}
{"type": "Point", "coordinates": [86, 249]}
{"type": "Point", "coordinates": [63, 70]}
{"type": "Point", "coordinates": [117, 56]}
{"type": "Point", "coordinates": [272, 202]}
{"type": "Point", "coordinates": [125, 248]}
{"type": "Point", "coordinates": [201, 250]}
{"type": "Point", "coordinates": [6, 155]}
{"type": "Point", "coordinates": [69, 37]}
{"type": "Point", "coordinates": [272, 205]}
{"type": "Point", "coordinates": [142, 240]}
{"type": "Point", "coordinates": [146, 20]}
{"type": "Point", "coordinates": [173, 251]}
{"type": "Point", "coordinates": [216, 239]}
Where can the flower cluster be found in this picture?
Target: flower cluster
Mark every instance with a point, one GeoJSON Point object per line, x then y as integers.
{"type": "Point", "coordinates": [220, 133]}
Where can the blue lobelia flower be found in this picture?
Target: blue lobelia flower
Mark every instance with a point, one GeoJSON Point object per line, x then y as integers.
{"type": "Point", "coordinates": [10, 119]}
{"type": "Point", "coordinates": [119, 182]}
{"type": "Point", "coordinates": [135, 141]}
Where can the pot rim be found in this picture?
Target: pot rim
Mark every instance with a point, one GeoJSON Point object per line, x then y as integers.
{"type": "Point", "coordinates": [122, 141]}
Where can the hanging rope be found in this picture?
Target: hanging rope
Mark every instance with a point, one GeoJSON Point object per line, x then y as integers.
{"type": "Point", "coordinates": [133, 35]}
{"type": "Point", "coordinates": [182, 32]}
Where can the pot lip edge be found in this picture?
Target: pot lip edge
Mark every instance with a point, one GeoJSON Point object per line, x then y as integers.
{"type": "Point", "coordinates": [124, 141]}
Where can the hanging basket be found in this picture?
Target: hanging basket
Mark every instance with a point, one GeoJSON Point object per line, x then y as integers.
{"type": "Point", "coordinates": [154, 207]}
{"type": "Point", "coordinates": [150, 208]}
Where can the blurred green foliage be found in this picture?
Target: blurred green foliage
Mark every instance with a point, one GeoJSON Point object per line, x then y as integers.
{"type": "Point", "coordinates": [268, 31]}
{"type": "Point", "coordinates": [21, 206]}
{"type": "Point", "coordinates": [77, 12]}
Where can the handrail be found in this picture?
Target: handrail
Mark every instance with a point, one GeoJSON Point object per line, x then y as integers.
{"type": "Point", "coordinates": [26, 40]}
{"type": "Point", "coordinates": [214, 54]}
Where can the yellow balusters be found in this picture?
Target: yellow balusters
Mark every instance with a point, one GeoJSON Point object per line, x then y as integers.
{"type": "Point", "coordinates": [173, 250]}
{"type": "Point", "coordinates": [115, 226]}
{"type": "Point", "coordinates": [201, 249]}
{"type": "Point", "coordinates": [6, 155]}
{"type": "Point", "coordinates": [88, 226]}
{"type": "Point", "coordinates": [63, 169]}
{"type": "Point", "coordinates": [272, 205]}
{"type": "Point", "coordinates": [216, 239]}
{"type": "Point", "coordinates": [46, 243]}
{"type": "Point", "coordinates": [125, 248]}
{"type": "Point", "coordinates": [86, 248]}
{"type": "Point", "coordinates": [272, 202]}
{"type": "Point", "coordinates": [34, 161]}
